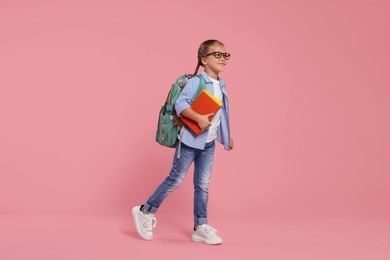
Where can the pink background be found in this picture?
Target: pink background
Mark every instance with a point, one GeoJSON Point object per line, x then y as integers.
{"type": "Point", "coordinates": [82, 83]}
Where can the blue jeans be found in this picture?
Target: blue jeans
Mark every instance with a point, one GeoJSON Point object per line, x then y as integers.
{"type": "Point", "coordinates": [203, 160]}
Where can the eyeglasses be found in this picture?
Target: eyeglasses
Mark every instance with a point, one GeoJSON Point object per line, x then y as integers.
{"type": "Point", "coordinates": [219, 55]}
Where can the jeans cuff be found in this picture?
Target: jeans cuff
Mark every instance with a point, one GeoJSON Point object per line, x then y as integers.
{"type": "Point", "coordinates": [200, 221]}
{"type": "Point", "coordinates": [150, 209]}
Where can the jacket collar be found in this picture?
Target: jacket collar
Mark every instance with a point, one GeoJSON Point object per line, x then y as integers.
{"type": "Point", "coordinates": [208, 80]}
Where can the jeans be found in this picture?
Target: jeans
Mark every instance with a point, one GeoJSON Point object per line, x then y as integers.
{"type": "Point", "coordinates": [203, 162]}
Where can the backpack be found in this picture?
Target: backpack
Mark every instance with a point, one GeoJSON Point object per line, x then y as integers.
{"type": "Point", "coordinates": [169, 123]}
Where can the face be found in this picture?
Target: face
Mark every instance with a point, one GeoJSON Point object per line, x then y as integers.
{"type": "Point", "coordinates": [212, 63]}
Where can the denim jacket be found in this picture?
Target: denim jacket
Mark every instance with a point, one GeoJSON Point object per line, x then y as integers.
{"type": "Point", "coordinates": [185, 100]}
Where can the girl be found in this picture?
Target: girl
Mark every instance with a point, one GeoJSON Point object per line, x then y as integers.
{"type": "Point", "coordinates": [199, 149]}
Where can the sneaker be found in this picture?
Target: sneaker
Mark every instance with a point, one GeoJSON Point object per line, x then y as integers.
{"type": "Point", "coordinates": [206, 234]}
{"type": "Point", "coordinates": [144, 223]}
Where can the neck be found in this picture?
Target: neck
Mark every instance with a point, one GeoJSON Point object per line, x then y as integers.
{"type": "Point", "coordinates": [212, 74]}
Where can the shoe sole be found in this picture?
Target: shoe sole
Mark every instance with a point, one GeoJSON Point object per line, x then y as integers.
{"type": "Point", "coordinates": [202, 240]}
{"type": "Point", "coordinates": [135, 218]}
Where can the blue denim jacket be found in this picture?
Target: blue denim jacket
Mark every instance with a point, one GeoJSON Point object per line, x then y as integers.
{"type": "Point", "coordinates": [185, 100]}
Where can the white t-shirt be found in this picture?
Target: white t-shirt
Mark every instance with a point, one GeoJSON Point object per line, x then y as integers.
{"type": "Point", "coordinates": [215, 122]}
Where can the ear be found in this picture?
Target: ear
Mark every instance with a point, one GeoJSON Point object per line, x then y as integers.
{"type": "Point", "coordinates": [203, 60]}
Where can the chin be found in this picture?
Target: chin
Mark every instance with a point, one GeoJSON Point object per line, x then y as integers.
{"type": "Point", "coordinates": [222, 68]}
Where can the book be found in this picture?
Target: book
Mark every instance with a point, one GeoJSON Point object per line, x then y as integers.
{"type": "Point", "coordinates": [204, 104]}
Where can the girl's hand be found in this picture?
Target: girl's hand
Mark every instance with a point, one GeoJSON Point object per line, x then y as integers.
{"type": "Point", "coordinates": [204, 122]}
{"type": "Point", "coordinates": [231, 143]}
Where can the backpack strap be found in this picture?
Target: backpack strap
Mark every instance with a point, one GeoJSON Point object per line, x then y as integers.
{"type": "Point", "coordinates": [201, 87]}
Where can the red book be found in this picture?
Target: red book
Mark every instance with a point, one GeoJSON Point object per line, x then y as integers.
{"type": "Point", "coordinates": [204, 104]}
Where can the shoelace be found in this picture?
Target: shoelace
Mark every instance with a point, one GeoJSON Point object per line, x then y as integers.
{"type": "Point", "coordinates": [210, 229]}
{"type": "Point", "coordinates": [150, 223]}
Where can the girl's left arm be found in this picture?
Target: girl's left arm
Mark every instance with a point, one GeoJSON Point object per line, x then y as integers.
{"type": "Point", "coordinates": [231, 143]}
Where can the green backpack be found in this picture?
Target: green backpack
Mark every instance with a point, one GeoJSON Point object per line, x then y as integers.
{"type": "Point", "coordinates": [169, 124]}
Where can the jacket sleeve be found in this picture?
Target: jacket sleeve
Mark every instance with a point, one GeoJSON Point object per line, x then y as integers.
{"type": "Point", "coordinates": [186, 97]}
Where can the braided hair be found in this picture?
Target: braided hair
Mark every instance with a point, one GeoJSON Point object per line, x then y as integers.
{"type": "Point", "coordinates": [202, 51]}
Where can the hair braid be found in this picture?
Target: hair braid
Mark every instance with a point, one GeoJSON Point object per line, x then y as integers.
{"type": "Point", "coordinates": [196, 70]}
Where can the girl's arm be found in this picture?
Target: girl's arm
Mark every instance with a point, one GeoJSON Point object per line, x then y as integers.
{"type": "Point", "coordinates": [183, 104]}
{"type": "Point", "coordinates": [202, 120]}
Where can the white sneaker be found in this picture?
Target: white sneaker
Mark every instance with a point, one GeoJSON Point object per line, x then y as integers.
{"type": "Point", "coordinates": [206, 234]}
{"type": "Point", "coordinates": [144, 223]}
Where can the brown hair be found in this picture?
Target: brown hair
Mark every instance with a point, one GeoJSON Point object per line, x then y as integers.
{"type": "Point", "coordinates": [202, 51]}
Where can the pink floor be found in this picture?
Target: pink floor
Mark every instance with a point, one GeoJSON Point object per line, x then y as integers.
{"type": "Point", "coordinates": [87, 237]}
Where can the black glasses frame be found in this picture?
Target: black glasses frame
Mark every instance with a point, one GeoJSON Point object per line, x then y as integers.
{"type": "Point", "coordinates": [218, 55]}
